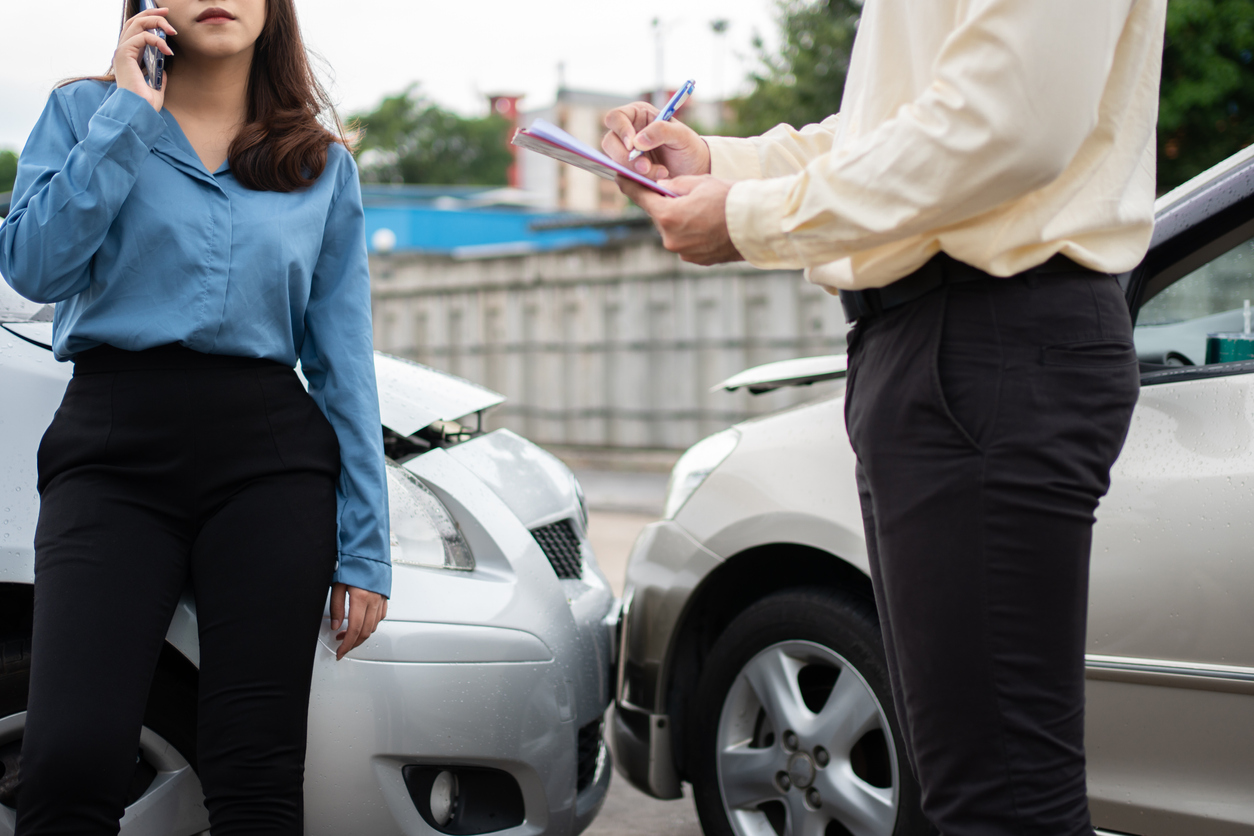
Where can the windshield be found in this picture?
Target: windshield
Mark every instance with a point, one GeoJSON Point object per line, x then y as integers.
{"type": "Point", "coordinates": [14, 308]}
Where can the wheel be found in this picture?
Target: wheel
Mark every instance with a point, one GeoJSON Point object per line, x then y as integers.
{"type": "Point", "coordinates": [164, 797]}
{"type": "Point", "coordinates": [793, 732]}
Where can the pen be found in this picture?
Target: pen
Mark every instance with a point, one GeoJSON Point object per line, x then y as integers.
{"type": "Point", "coordinates": [676, 102]}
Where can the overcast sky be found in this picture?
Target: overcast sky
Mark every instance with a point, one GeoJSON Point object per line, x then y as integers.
{"type": "Point", "coordinates": [458, 51]}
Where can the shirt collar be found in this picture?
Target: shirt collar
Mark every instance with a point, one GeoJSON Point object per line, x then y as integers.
{"type": "Point", "coordinates": [174, 146]}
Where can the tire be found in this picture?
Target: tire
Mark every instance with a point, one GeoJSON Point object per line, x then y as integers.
{"type": "Point", "coordinates": [811, 662]}
{"type": "Point", "coordinates": [164, 796]}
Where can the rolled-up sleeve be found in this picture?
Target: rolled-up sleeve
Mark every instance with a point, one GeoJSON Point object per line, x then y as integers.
{"type": "Point", "coordinates": [1006, 112]}
{"type": "Point", "coordinates": [337, 358]}
{"type": "Point", "coordinates": [69, 191]}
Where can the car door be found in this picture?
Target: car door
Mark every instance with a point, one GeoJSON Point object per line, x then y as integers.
{"type": "Point", "coordinates": [1170, 662]}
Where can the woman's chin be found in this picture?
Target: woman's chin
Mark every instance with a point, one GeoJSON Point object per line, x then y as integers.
{"type": "Point", "coordinates": [215, 49]}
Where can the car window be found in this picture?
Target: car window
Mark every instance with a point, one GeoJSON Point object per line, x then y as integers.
{"type": "Point", "coordinates": [1200, 318]}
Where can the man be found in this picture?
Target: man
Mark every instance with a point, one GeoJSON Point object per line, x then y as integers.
{"type": "Point", "coordinates": [992, 165]}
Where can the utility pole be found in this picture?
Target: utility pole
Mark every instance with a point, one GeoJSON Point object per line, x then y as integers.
{"type": "Point", "coordinates": [659, 86]}
{"type": "Point", "coordinates": [719, 27]}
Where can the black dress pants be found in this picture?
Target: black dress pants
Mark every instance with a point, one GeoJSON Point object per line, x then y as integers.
{"type": "Point", "coordinates": [986, 416]}
{"type": "Point", "coordinates": [161, 468]}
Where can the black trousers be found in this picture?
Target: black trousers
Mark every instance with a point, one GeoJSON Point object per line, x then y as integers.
{"type": "Point", "coordinates": [986, 416]}
{"type": "Point", "coordinates": [165, 467]}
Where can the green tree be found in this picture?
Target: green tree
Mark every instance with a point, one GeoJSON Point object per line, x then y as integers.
{"type": "Point", "coordinates": [803, 82]}
{"type": "Point", "coordinates": [8, 170]}
{"type": "Point", "coordinates": [1206, 106]}
{"type": "Point", "coordinates": [409, 139]}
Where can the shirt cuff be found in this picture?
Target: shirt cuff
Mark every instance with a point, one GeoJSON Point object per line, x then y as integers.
{"type": "Point", "coordinates": [755, 219]}
{"type": "Point", "coordinates": [131, 111]}
{"type": "Point", "coordinates": [365, 573]}
{"type": "Point", "coordinates": [734, 158]}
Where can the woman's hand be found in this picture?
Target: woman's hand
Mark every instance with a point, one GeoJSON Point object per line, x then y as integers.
{"type": "Point", "coordinates": [137, 34]}
{"type": "Point", "coordinates": [365, 610]}
{"type": "Point", "coordinates": [671, 149]}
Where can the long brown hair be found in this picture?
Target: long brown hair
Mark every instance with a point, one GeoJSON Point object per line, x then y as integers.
{"type": "Point", "coordinates": [282, 145]}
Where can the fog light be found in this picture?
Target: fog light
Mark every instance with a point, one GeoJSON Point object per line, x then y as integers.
{"type": "Point", "coordinates": [443, 797]}
{"type": "Point", "coordinates": [465, 800]}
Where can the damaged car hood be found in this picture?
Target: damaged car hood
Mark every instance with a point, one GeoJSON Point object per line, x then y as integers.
{"type": "Point", "coordinates": [413, 396]}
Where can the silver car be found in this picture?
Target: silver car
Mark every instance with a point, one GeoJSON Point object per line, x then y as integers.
{"type": "Point", "coordinates": [751, 663]}
{"type": "Point", "coordinates": [475, 708]}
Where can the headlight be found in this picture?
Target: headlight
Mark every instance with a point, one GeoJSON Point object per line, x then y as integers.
{"type": "Point", "coordinates": [423, 532]}
{"type": "Point", "coordinates": [694, 466]}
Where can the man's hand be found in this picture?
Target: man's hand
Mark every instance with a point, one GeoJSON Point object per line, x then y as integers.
{"type": "Point", "coordinates": [694, 224]}
{"type": "Point", "coordinates": [672, 149]}
{"type": "Point", "coordinates": [365, 610]}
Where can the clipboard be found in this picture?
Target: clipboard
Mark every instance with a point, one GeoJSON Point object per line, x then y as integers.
{"type": "Point", "coordinates": [551, 141]}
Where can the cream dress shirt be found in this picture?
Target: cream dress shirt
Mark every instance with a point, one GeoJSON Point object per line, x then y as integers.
{"type": "Point", "coordinates": [999, 131]}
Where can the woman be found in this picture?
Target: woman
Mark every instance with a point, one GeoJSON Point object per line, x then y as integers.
{"type": "Point", "coordinates": [198, 240]}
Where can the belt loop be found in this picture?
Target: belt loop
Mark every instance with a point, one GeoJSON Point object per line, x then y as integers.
{"type": "Point", "coordinates": [874, 302]}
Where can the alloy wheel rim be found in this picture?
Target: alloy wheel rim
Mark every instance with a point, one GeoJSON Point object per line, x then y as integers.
{"type": "Point", "coordinates": [792, 760]}
{"type": "Point", "coordinates": [171, 805]}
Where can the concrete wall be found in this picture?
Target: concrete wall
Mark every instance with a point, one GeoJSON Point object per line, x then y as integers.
{"type": "Point", "coordinates": [613, 346]}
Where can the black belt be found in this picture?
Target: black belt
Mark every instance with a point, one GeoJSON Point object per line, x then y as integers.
{"type": "Point", "coordinates": [939, 270]}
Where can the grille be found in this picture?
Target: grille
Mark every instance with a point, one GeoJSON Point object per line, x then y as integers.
{"type": "Point", "coordinates": [591, 739]}
{"type": "Point", "coordinates": [561, 545]}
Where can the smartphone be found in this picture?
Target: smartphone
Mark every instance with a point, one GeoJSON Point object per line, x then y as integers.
{"type": "Point", "coordinates": [153, 64]}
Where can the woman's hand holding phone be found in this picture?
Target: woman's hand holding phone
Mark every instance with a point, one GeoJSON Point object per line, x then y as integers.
{"type": "Point", "coordinates": [136, 35]}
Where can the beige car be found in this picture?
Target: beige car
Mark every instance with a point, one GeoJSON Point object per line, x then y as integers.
{"type": "Point", "coordinates": [751, 665]}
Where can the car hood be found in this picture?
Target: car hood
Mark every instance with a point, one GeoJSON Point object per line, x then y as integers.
{"type": "Point", "coordinates": [411, 396]}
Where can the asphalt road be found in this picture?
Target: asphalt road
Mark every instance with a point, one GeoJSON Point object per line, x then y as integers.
{"type": "Point", "coordinates": [629, 812]}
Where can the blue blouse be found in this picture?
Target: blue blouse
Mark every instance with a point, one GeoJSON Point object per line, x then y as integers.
{"type": "Point", "coordinates": [115, 218]}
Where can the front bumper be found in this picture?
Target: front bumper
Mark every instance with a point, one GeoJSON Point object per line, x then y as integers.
{"type": "Point", "coordinates": [642, 751]}
{"type": "Point", "coordinates": [503, 672]}
{"type": "Point", "coordinates": [369, 720]}
{"type": "Point", "coordinates": [665, 565]}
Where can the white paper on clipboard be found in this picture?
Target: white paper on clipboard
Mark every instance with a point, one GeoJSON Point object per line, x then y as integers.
{"type": "Point", "coordinates": [550, 140]}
